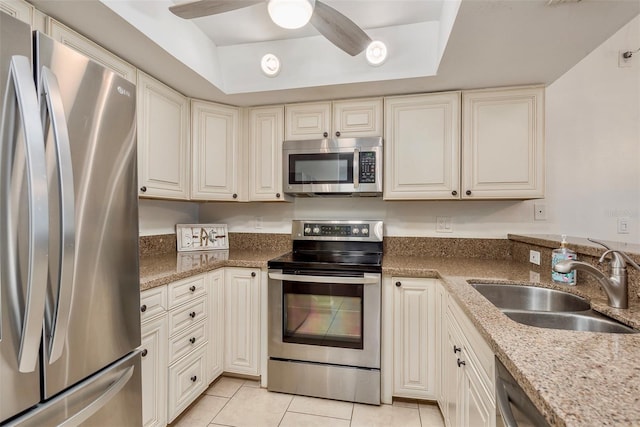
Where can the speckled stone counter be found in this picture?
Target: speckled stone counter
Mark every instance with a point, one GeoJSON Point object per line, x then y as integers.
{"type": "Point", "coordinates": [574, 378]}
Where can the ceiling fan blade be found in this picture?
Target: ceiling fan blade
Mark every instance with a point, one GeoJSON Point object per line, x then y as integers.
{"type": "Point", "coordinates": [339, 30]}
{"type": "Point", "coordinates": [198, 8]}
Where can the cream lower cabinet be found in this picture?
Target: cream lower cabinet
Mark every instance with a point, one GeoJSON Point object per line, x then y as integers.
{"type": "Point", "coordinates": [154, 356]}
{"type": "Point", "coordinates": [242, 321]}
{"type": "Point", "coordinates": [468, 368]}
{"type": "Point", "coordinates": [414, 337]}
{"type": "Point", "coordinates": [422, 147]}
{"type": "Point", "coordinates": [163, 140]}
{"type": "Point", "coordinates": [266, 127]}
{"type": "Point", "coordinates": [215, 346]}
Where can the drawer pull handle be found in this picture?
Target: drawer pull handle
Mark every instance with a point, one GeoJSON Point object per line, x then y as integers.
{"type": "Point", "coordinates": [398, 284]}
{"type": "Point", "coordinates": [194, 378]}
{"type": "Point", "coordinates": [456, 349]}
{"type": "Point", "coordinates": [192, 314]}
{"type": "Point", "coordinates": [192, 289]}
{"type": "Point", "coordinates": [143, 308]}
{"type": "Point", "coordinates": [143, 189]}
{"type": "Point", "coordinates": [461, 363]}
{"type": "Point", "coordinates": [468, 192]}
{"type": "Point", "coordinates": [144, 353]}
{"type": "Point", "coordinates": [454, 193]}
{"type": "Point", "coordinates": [253, 274]}
{"type": "Point", "coordinates": [192, 340]}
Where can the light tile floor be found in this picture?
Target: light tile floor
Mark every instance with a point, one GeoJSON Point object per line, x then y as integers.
{"type": "Point", "coordinates": [242, 403]}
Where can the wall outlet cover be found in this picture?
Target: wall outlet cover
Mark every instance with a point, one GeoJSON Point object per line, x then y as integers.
{"type": "Point", "coordinates": [534, 257]}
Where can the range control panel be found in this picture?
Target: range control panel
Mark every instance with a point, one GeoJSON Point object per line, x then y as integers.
{"type": "Point", "coordinates": [336, 230]}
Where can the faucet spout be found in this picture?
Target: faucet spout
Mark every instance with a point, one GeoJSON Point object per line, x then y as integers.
{"type": "Point", "coordinates": [615, 286]}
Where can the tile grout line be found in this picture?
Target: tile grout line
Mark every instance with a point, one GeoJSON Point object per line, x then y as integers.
{"type": "Point", "coordinates": [226, 403]}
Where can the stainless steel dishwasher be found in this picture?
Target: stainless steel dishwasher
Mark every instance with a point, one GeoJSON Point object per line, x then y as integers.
{"type": "Point", "coordinates": [513, 406]}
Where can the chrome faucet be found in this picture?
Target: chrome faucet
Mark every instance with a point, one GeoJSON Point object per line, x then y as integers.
{"type": "Point", "coordinates": [615, 286]}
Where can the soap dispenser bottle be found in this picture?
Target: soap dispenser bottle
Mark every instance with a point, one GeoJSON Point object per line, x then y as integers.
{"type": "Point", "coordinates": [561, 254]}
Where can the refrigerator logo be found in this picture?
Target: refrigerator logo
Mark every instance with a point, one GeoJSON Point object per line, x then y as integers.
{"type": "Point", "coordinates": [123, 91]}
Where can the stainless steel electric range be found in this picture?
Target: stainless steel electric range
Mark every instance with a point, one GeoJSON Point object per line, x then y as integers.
{"type": "Point", "coordinates": [324, 312]}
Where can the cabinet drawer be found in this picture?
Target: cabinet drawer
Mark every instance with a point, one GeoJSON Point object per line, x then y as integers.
{"type": "Point", "coordinates": [184, 342]}
{"type": "Point", "coordinates": [185, 290]}
{"type": "Point", "coordinates": [186, 382]}
{"type": "Point", "coordinates": [187, 315]}
{"type": "Point", "coordinates": [153, 302]}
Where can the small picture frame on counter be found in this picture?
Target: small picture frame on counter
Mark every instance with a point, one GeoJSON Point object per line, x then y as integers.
{"type": "Point", "coordinates": [201, 237]}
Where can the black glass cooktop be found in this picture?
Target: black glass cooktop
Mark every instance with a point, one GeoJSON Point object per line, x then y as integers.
{"type": "Point", "coordinates": [367, 258]}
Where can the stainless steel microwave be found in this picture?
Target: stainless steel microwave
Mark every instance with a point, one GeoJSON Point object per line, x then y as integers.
{"type": "Point", "coordinates": [333, 167]}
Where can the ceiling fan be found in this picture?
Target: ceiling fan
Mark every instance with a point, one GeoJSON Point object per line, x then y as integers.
{"type": "Point", "coordinates": [333, 25]}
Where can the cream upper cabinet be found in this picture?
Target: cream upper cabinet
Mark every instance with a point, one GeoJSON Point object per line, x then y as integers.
{"type": "Point", "coordinates": [163, 140]}
{"type": "Point", "coordinates": [503, 143]}
{"type": "Point", "coordinates": [215, 159]}
{"type": "Point", "coordinates": [266, 133]}
{"type": "Point", "coordinates": [347, 119]}
{"type": "Point", "coordinates": [70, 38]}
{"type": "Point", "coordinates": [414, 338]}
{"type": "Point", "coordinates": [18, 9]}
{"type": "Point", "coordinates": [422, 147]}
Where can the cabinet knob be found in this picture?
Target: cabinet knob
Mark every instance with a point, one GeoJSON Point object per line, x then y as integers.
{"type": "Point", "coordinates": [454, 193]}
{"type": "Point", "coordinates": [143, 189]}
{"type": "Point", "coordinates": [192, 288]}
{"type": "Point", "coordinates": [194, 378]}
{"type": "Point", "coordinates": [468, 192]}
{"type": "Point", "coordinates": [398, 284]}
{"type": "Point", "coordinates": [461, 363]}
{"type": "Point", "coordinates": [235, 196]}
{"type": "Point", "coordinates": [144, 353]}
{"type": "Point", "coordinates": [143, 308]}
{"type": "Point", "coordinates": [192, 340]}
{"type": "Point", "coordinates": [326, 134]}
{"type": "Point", "coordinates": [338, 133]}
{"type": "Point", "coordinates": [253, 274]}
{"type": "Point", "coordinates": [277, 195]}
{"type": "Point", "coordinates": [456, 349]}
{"type": "Point", "coordinates": [192, 314]}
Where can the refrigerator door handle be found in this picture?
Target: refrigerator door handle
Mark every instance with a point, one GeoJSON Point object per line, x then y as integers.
{"type": "Point", "coordinates": [100, 401]}
{"type": "Point", "coordinates": [53, 109]}
{"type": "Point", "coordinates": [21, 93]}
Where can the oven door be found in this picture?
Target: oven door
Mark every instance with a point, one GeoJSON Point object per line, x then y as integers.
{"type": "Point", "coordinates": [325, 317]}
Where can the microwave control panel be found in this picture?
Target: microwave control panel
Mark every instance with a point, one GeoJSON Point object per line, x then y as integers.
{"type": "Point", "coordinates": [367, 173]}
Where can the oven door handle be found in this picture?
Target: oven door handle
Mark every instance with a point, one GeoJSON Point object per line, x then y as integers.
{"type": "Point", "coordinates": [366, 280]}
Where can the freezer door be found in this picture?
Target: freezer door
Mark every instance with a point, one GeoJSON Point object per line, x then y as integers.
{"type": "Point", "coordinates": [93, 300]}
{"type": "Point", "coordinates": [107, 399]}
{"type": "Point", "coordinates": [23, 218]}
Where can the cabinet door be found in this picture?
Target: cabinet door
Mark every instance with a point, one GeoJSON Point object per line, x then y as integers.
{"type": "Point", "coordinates": [307, 121]}
{"type": "Point", "coordinates": [75, 41]}
{"type": "Point", "coordinates": [242, 321]}
{"type": "Point", "coordinates": [18, 9]}
{"type": "Point", "coordinates": [477, 409]}
{"type": "Point", "coordinates": [503, 143]}
{"type": "Point", "coordinates": [422, 140]}
{"type": "Point", "coordinates": [215, 346]}
{"type": "Point", "coordinates": [163, 140]}
{"type": "Point", "coordinates": [414, 338]}
{"type": "Point", "coordinates": [452, 375]}
{"type": "Point", "coordinates": [266, 127]}
{"type": "Point", "coordinates": [214, 130]}
{"type": "Point", "coordinates": [154, 372]}
{"type": "Point", "coordinates": [357, 118]}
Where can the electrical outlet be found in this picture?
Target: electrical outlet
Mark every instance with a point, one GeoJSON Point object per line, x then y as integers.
{"type": "Point", "coordinates": [534, 257]}
{"type": "Point", "coordinates": [258, 222]}
{"type": "Point", "coordinates": [444, 224]}
{"type": "Point", "coordinates": [539, 211]}
{"type": "Point", "coordinates": [623, 225]}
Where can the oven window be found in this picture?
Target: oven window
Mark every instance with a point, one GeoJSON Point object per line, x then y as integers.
{"type": "Point", "coordinates": [323, 314]}
{"type": "Point", "coordinates": [329, 168]}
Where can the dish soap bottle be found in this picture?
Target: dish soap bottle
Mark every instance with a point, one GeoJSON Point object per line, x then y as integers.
{"type": "Point", "coordinates": [561, 254]}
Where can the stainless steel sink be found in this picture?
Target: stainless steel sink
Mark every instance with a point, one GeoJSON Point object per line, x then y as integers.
{"type": "Point", "coordinates": [530, 298]}
{"type": "Point", "coordinates": [580, 321]}
{"type": "Point", "coordinates": [549, 308]}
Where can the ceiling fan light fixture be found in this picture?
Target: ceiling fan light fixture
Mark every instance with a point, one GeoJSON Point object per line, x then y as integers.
{"type": "Point", "coordinates": [270, 65]}
{"type": "Point", "coordinates": [290, 14]}
{"type": "Point", "coordinates": [376, 53]}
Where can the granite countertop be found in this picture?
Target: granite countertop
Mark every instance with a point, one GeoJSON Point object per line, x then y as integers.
{"type": "Point", "coordinates": [574, 378]}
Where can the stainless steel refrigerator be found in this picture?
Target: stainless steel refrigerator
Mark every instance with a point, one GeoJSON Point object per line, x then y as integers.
{"type": "Point", "coordinates": [69, 294]}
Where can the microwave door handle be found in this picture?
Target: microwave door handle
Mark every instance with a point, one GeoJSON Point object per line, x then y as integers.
{"type": "Point", "coordinates": [356, 168]}
{"type": "Point", "coordinates": [54, 109]}
{"type": "Point", "coordinates": [21, 93]}
{"type": "Point", "coordinates": [325, 279]}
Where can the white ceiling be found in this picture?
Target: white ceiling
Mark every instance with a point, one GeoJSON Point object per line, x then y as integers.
{"type": "Point", "coordinates": [492, 43]}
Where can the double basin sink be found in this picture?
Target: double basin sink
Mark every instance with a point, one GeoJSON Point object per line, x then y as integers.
{"type": "Point", "coordinates": [548, 308]}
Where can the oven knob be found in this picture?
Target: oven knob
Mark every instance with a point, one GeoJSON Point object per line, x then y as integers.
{"type": "Point", "coordinates": [316, 230]}
{"type": "Point", "coordinates": [307, 230]}
{"type": "Point", "coordinates": [365, 231]}
{"type": "Point", "coordinates": [356, 231]}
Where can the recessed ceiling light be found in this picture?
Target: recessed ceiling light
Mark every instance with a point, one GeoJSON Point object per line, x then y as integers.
{"type": "Point", "coordinates": [270, 65]}
{"type": "Point", "coordinates": [376, 53]}
{"type": "Point", "coordinates": [290, 14]}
